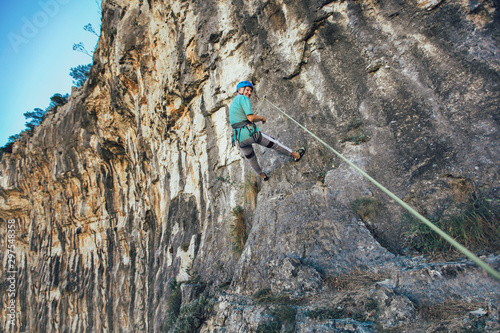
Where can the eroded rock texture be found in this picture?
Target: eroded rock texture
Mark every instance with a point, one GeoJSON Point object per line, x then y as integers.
{"type": "Point", "coordinates": [132, 184]}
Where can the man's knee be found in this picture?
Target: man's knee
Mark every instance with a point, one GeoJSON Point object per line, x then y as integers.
{"type": "Point", "coordinates": [250, 155]}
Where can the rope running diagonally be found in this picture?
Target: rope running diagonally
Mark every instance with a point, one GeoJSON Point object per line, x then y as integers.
{"type": "Point", "coordinates": [440, 232]}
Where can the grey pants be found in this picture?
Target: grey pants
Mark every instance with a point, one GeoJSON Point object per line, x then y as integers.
{"type": "Point", "coordinates": [263, 140]}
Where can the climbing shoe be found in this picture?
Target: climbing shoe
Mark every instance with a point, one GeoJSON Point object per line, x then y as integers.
{"type": "Point", "coordinates": [301, 152]}
{"type": "Point", "coordinates": [266, 178]}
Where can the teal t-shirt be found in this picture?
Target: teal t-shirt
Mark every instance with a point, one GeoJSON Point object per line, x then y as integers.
{"type": "Point", "coordinates": [238, 110]}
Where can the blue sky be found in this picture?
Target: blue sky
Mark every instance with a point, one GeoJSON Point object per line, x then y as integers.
{"type": "Point", "coordinates": [36, 54]}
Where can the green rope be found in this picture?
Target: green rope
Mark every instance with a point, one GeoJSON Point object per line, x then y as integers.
{"type": "Point", "coordinates": [441, 233]}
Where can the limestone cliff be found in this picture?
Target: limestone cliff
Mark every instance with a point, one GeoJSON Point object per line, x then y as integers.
{"type": "Point", "coordinates": [132, 187]}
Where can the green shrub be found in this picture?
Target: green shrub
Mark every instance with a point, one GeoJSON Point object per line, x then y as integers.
{"type": "Point", "coordinates": [336, 313]}
{"type": "Point", "coordinates": [266, 296]}
{"type": "Point", "coordinates": [371, 304]}
{"type": "Point", "coordinates": [80, 74]}
{"type": "Point", "coordinates": [175, 298]}
{"type": "Point", "coordinates": [7, 148]}
{"type": "Point", "coordinates": [174, 302]}
{"type": "Point", "coordinates": [193, 315]}
{"type": "Point", "coordinates": [320, 177]}
{"type": "Point", "coordinates": [354, 123]}
{"type": "Point", "coordinates": [34, 118]}
{"type": "Point", "coordinates": [57, 100]}
{"type": "Point", "coordinates": [325, 313]}
{"type": "Point", "coordinates": [283, 317]}
{"type": "Point", "coordinates": [285, 313]}
{"type": "Point", "coordinates": [269, 327]}
{"type": "Point", "coordinates": [357, 138]}
{"type": "Point", "coordinates": [226, 180]}
{"type": "Point", "coordinates": [286, 316]}
{"type": "Point", "coordinates": [475, 226]}
{"type": "Point", "coordinates": [260, 295]}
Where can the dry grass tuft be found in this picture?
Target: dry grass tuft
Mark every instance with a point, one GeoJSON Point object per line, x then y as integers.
{"type": "Point", "coordinates": [462, 189]}
{"type": "Point", "coordinates": [366, 208]}
{"type": "Point", "coordinates": [474, 224]}
{"type": "Point", "coordinates": [356, 279]}
{"type": "Point", "coordinates": [250, 190]}
{"type": "Point", "coordinates": [238, 230]}
{"type": "Point", "coordinates": [448, 310]}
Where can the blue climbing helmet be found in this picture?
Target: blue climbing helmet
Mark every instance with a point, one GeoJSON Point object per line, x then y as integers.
{"type": "Point", "coordinates": [244, 84]}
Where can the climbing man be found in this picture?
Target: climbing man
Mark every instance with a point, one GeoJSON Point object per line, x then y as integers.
{"type": "Point", "coordinates": [246, 133]}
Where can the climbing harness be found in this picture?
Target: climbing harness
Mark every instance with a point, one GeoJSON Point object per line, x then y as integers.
{"type": "Point", "coordinates": [441, 233]}
{"type": "Point", "coordinates": [244, 124]}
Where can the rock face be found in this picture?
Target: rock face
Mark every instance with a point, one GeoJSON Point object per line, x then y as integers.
{"type": "Point", "coordinates": [130, 188]}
